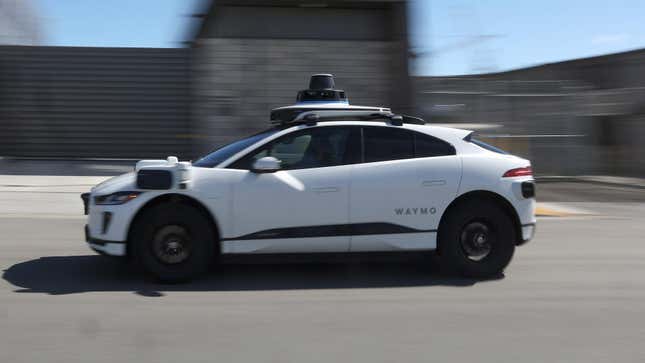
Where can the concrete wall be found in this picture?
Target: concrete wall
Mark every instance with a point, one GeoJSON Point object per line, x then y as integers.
{"type": "Point", "coordinates": [20, 23]}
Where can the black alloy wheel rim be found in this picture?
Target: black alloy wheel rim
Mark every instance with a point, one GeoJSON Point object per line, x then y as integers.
{"type": "Point", "coordinates": [477, 239]}
{"type": "Point", "coordinates": [172, 244]}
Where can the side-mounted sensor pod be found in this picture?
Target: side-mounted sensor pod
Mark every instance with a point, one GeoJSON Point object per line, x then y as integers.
{"type": "Point", "coordinates": [163, 174]}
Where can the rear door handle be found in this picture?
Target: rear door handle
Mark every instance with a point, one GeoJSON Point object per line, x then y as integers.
{"type": "Point", "coordinates": [326, 189]}
{"type": "Point", "coordinates": [433, 183]}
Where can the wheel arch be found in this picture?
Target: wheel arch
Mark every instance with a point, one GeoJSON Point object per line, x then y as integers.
{"type": "Point", "coordinates": [485, 196]}
{"type": "Point", "coordinates": [174, 198]}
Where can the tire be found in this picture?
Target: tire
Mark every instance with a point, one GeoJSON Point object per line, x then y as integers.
{"type": "Point", "coordinates": [173, 242]}
{"type": "Point", "coordinates": [477, 239]}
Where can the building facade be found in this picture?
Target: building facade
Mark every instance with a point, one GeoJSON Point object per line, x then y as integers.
{"type": "Point", "coordinates": [252, 56]}
{"type": "Point", "coordinates": [583, 116]}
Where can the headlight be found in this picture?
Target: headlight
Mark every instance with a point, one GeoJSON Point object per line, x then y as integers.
{"type": "Point", "coordinates": [115, 198]}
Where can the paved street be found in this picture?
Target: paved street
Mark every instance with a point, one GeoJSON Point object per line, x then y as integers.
{"type": "Point", "coordinates": [574, 294]}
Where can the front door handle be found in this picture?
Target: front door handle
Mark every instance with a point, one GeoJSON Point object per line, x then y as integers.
{"type": "Point", "coordinates": [326, 189]}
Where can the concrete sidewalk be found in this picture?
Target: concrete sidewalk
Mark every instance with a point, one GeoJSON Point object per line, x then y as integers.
{"type": "Point", "coordinates": [618, 181]}
{"type": "Point", "coordinates": [44, 196]}
{"type": "Point", "coordinates": [48, 183]}
{"type": "Point", "coordinates": [84, 167]}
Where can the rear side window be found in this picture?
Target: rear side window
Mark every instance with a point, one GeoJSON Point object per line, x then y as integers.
{"type": "Point", "coordinates": [386, 143]}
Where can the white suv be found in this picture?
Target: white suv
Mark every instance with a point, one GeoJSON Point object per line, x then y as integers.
{"type": "Point", "coordinates": [331, 178]}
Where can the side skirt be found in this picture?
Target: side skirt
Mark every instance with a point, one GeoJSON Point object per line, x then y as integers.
{"type": "Point", "coordinates": [341, 257]}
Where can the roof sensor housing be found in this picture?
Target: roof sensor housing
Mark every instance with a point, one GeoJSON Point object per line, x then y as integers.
{"type": "Point", "coordinates": [321, 89]}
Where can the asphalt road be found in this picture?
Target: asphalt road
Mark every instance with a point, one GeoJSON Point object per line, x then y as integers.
{"type": "Point", "coordinates": [574, 294]}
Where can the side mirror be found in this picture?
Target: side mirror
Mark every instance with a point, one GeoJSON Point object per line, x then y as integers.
{"type": "Point", "coordinates": [267, 164]}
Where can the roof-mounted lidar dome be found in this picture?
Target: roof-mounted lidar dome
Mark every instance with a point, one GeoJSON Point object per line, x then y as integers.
{"type": "Point", "coordinates": [321, 96]}
{"type": "Point", "coordinates": [322, 81]}
{"type": "Point", "coordinates": [321, 89]}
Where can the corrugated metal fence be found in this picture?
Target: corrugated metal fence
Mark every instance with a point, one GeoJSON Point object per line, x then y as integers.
{"type": "Point", "coordinates": [94, 102]}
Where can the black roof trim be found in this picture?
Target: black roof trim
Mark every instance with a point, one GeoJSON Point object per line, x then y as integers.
{"type": "Point", "coordinates": [310, 117]}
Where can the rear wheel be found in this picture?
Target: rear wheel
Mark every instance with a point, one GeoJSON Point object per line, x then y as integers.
{"type": "Point", "coordinates": [174, 242]}
{"type": "Point", "coordinates": [477, 239]}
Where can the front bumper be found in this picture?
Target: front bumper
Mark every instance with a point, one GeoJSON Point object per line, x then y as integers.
{"type": "Point", "coordinates": [112, 248]}
{"type": "Point", "coordinates": [107, 225]}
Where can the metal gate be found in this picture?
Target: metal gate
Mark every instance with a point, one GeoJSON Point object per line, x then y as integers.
{"type": "Point", "coordinates": [73, 102]}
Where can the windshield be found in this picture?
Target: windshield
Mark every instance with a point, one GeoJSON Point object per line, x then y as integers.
{"type": "Point", "coordinates": [218, 156]}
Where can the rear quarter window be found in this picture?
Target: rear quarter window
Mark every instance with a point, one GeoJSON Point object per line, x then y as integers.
{"type": "Point", "coordinates": [484, 145]}
{"type": "Point", "coordinates": [428, 146]}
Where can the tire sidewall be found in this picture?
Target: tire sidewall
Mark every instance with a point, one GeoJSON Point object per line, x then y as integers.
{"type": "Point", "coordinates": [199, 230]}
{"type": "Point", "coordinates": [503, 246]}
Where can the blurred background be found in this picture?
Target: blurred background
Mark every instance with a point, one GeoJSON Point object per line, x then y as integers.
{"type": "Point", "coordinates": [561, 84]}
{"type": "Point", "coordinates": [89, 86]}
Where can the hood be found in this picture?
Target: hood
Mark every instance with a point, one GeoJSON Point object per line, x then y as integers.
{"type": "Point", "coordinates": [118, 183]}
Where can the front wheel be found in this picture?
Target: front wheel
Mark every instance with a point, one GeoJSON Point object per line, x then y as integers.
{"type": "Point", "coordinates": [174, 242]}
{"type": "Point", "coordinates": [477, 239]}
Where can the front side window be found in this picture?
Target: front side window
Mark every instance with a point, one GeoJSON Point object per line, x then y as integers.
{"type": "Point", "coordinates": [310, 148]}
{"type": "Point", "coordinates": [220, 155]}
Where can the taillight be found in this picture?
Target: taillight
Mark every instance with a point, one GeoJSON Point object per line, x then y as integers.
{"type": "Point", "coordinates": [525, 171]}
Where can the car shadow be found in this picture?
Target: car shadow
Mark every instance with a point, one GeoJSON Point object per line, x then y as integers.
{"type": "Point", "coordinates": [59, 275]}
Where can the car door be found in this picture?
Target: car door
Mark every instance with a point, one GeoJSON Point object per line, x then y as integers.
{"type": "Point", "coordinates": [400, 190]}
{"type": "Point", "coordinates": [304, 206]}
